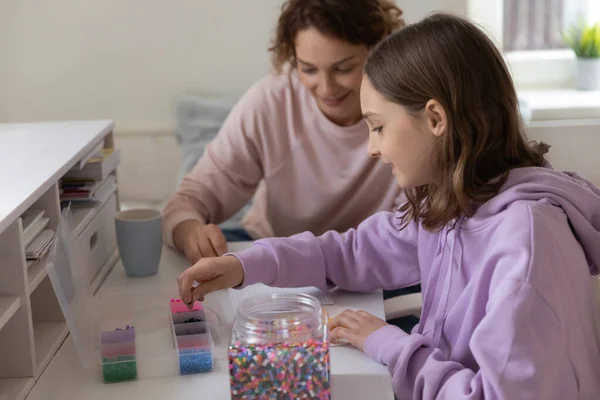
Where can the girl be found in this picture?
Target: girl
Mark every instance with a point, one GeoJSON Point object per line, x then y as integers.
{"type": "Point", "coordinates": [298, 132]}
{"type": "Point", "coordinates": [503, 245]}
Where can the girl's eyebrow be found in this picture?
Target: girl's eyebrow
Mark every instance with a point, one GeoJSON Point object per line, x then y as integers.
{"type": "Point", "coordinates": [368, 114]}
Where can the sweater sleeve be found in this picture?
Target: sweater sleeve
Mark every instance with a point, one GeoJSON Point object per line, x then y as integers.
{"type": "Point", "coordinates": [229, 171]}
{"type": "Point", "coordinates": [378, 254]}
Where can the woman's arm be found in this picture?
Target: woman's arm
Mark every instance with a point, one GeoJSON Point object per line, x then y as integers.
{"type": "Point", "coordinates": [229, 171]}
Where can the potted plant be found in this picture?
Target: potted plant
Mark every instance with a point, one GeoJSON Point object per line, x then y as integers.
{"type": "Point", "coordinates": [584, 39]}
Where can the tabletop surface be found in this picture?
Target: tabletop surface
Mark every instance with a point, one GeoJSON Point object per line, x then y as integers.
{"type": "Point", "coordinates": [353, 375]}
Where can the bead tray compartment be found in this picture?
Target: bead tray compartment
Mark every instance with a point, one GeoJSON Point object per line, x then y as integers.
{"type": "Point", "coordinates": [117, 350]}
{"type": "Point", "coordinates": [192, 338]}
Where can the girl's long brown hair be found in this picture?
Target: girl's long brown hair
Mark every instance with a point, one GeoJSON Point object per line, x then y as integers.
{"type": "Point", "coordinates": [447, 58]}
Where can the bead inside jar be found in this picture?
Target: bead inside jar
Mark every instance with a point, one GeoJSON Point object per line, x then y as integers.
{"type": "Point", "coordinates": [279, 348]}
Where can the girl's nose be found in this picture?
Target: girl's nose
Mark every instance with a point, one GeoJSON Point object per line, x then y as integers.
{"type": "Point", "coordinates": [373, 149]}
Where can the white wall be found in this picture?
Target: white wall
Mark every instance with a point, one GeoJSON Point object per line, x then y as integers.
{"type": "Point", "coordinates": [574, 145]}
{"type": "Point", "coordinates": [125, 60]}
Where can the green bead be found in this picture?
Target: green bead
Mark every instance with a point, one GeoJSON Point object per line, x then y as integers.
{"type": "Point", "coordinates": [119, 371]}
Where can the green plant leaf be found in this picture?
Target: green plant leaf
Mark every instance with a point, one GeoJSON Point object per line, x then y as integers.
{"type": "Point", "coordinates": [583, 39]}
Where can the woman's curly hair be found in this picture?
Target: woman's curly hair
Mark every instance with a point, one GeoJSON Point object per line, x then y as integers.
{"type": "Point", "coordinates": [354, 21]}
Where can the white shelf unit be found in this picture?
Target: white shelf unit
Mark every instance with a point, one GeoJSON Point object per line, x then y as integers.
{"type": "Point", "coordinates": [8, 307]}
{"type": "Point", "coordinates": [49, 326]}
{"type": "Point", "coordinates": [32, 326]}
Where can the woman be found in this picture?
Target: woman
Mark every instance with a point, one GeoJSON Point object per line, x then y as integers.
{"type": "Point", "coordinates": [296, 140]}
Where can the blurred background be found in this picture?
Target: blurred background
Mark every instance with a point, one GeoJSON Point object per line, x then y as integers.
{"type": "Point", "coordinates": [163, 69]}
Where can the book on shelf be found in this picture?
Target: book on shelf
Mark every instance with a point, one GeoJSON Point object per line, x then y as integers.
{"type": "Point", "coordinates": [34, 230]}
{"type": "Point", "coordinates": [98, 167]}
{"type": "Point", "coordinates": [34, 222]}
{"type": "Point", "coordinates": [40, 245]}
{"type": "Point", "coordinates": [85, 192]}
{"type": "Point", "coordinates": [95, 153]}
{"type": "Point", "coordinates": [31, 216]}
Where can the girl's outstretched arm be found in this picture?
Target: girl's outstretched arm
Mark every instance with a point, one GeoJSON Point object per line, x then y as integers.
{"type": "Point", "coordinates": [378, 254]}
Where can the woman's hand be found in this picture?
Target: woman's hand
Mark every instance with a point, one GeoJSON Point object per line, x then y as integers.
{"type": "Point", "coordinates": [212, 273]}
{"type": "Point", "coordinates": [197, 240]}
{"type": "Point", "coordinates": [354, 327]}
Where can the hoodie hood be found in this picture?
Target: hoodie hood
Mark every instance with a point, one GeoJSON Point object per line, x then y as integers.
{"type": "Point", "coordinates": [578, 197]}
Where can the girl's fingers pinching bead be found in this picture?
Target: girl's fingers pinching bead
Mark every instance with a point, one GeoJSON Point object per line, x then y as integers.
{"type": "Point", "coordinates": [334, 323]}
{"type": "Point", "coordinates": [336, 339]}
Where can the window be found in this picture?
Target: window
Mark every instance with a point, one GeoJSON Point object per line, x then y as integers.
{"type": "Point", "coordinates": [537, 24]}
{"type": "Point", "coordinates": [529, 32]}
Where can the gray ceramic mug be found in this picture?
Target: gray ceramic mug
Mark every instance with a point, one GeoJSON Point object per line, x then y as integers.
{"type": "Point", "coordinates": [139, 237]}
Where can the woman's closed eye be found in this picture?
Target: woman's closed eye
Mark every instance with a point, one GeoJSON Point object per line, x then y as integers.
{"type": "Point", "coordinates": [345, 70]}
{"type": "Point", "coordinates": [309, 71]}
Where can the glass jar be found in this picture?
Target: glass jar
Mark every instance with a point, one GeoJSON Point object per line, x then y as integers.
{"type": "Point", "coordinates": [279, 349]}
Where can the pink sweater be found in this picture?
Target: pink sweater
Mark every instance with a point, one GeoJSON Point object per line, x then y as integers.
{"type": "Point", "coordinates": [305, 172]}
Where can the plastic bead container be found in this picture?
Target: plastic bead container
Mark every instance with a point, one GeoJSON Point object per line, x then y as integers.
{"type": "Point", "coordinates": [156, 340]}
{"type": "Point", "coordinates": [192, 338]}
{"type": "Point", "coordinates": [117, 350]}
{"type": "Point", "coordinates": [132, 331]}
{"type": "Point", "coordinates": [279, 349]}
{"type": "Point", "coordinates": [128, 335]}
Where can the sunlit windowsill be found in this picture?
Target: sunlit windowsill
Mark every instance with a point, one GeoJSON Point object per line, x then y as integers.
{"type": "Point", "coordinates": [541, 69]}
{"type": "Point", "coordinates": [560, 104]}
{"type": "Point", "coordinates": [540, 55]}
{"type": "Point", "coordinates": [544, 81]}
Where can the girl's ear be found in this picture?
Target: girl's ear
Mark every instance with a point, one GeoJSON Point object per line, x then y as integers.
{"type": "Point", "coordinates": [436, 117]}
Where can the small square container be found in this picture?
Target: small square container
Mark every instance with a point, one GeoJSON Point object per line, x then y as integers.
{"type": "Point", "coordinates": [117, 349]}
{"type": "Point", "coordinates": [124, 368]}
{"type": "Point", "coordinates": [201, 341]}
{"type": "Point", "coordinates": [193, 361]}
{"type": "Point", "coordinates": [191, 328]}
{"type": "Point", "coordinates": [179, 306]}
{"type": "Point", "coordinates": [187, 317]}
{"type": "Point", "coordinates": [117, 336]}
{"type": "Point", "coordinates": [194, 344]}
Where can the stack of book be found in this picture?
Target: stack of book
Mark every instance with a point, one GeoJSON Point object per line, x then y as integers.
{"type": "Point", "coordinates": [90, 182]}
{"type": "Point", "coordinates": [85, 192]}
{"type": "Point", "coordinates": [37, 239]}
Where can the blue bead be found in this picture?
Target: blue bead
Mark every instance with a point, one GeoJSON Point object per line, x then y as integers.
{"type": "Point", "coordinates": [192, 363]}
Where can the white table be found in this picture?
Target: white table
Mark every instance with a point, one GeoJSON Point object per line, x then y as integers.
{"type": "Point", "coordinates": [354, 376]}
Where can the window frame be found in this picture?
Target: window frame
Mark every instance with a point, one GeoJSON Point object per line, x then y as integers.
{"type": "Point", "coordinates": [543, 69]}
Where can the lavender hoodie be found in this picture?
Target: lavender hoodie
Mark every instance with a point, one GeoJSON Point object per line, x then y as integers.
{"type": "Point", "coordinates": [508, 307]}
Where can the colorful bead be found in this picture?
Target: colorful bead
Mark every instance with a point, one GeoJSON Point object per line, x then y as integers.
{"type": "Point", "coordinates": [119, 371]}
{"type": "Point", "coordinates": [192, 335]}
{"type": "Point", "coordinates": [192, 363]}
{"type": "Point", "coordinates": [179, 306]}
{"type": "Point", "coordinates": [279, 371]}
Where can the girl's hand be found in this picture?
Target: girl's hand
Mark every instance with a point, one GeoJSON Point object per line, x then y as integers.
{"type": "Point", "coordinates": [212, 273]}
{"type": "Point", "coordinates": [354, 327]}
